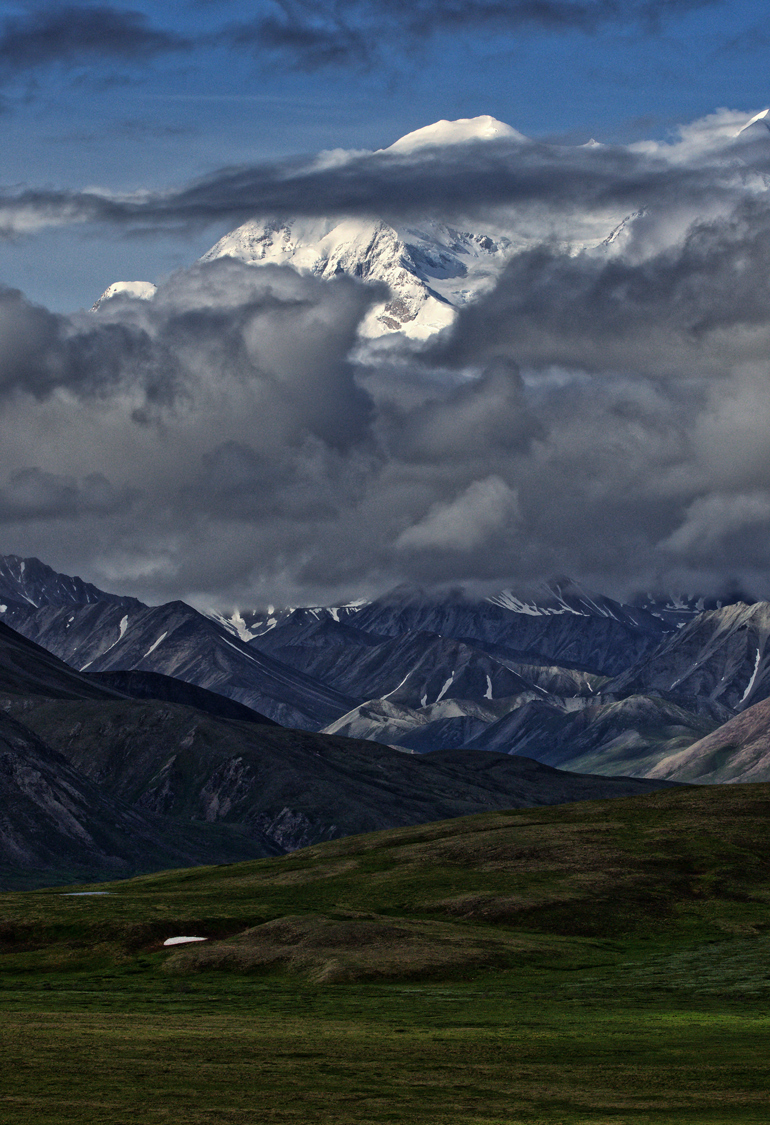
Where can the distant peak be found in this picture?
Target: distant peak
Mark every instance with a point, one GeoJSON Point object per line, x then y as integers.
{"type": "Point", "coordinates": [484, 128]}
{"type": "Point", "coordinates": [760, 122]}
{"type": "Point", "coordinates": [140, 290]}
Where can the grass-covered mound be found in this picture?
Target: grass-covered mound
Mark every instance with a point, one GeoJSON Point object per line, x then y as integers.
{"type": "Point", "coordinates": [329, 950]}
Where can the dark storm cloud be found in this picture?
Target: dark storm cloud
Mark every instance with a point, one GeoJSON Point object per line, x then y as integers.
{"type": "Point", "coordinates": [356, 32]}
{"type": "Point", "coordinates": [31, 494]}
{"type": "Point", "coordinates": [41, 353]}
{"type": "Point", "coordinates": [270, 333]}
{"type": "Point", "coordinates": [215, 442]}
{"type": "Point", "coordinates": [73, 33]}
{"type": "Point", "coordinates": [451, 180]}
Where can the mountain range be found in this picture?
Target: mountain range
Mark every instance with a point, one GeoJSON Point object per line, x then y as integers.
{"type": "Point", "coordinates": [573, 680]}
{"type": "Point", "coordinates": [104, 773]}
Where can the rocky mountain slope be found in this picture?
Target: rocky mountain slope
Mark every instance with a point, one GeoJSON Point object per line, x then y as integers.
{"type": "Point", "coordinates": [175, 640]}
{"type": "Point", "coordinates": [53, 819]}
{"type": "Point", "coordinates": [58, 826]}
{"type": "Point", "coordinates": [739, 750]}
{"type": "Point", "coordinates": [30, 582]}
{"type": "Point", "coordinates": [94, 783]}
{"type": "Point", "coordinates": [719, 663]}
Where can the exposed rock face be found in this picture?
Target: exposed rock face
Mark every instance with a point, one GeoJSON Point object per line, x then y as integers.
{"type": "Point", "coordinates": [58, 826]}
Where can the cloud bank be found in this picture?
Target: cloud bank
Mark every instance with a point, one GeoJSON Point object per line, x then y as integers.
{"type": "Point", "coordinates": [702, 170]}
{"type": "Point", "coordinates": [601, 411]}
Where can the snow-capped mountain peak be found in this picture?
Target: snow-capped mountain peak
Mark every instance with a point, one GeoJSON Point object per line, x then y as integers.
{"type": "Point", "coordinates": [759, 123]}
{"type": "Point", "coordinates": [465, 129]}
{"type": "Point", "coordinates": [432, 269]}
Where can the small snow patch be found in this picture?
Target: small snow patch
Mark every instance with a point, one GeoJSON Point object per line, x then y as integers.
{"type": "Point", "coordinates": [445, 688]}
{"type": "Point", "coordinates": [82, 894]}
{"type": "Point", "coordinates": [395, 689]}
{"type": "Point", "coordinates": [182, 940]}
{"type": "Point", "coordinates": [152, 648]}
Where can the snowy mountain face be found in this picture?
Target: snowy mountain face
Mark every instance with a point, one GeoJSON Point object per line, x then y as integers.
{"type": "Point", "coordinates": [431, 270]}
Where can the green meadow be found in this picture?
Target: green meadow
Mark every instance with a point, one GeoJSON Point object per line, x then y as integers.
{"type": "Point", "coordinates": [600, 962]}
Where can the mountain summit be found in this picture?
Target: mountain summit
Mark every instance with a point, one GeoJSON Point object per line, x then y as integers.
{"type": "Point", "coordinates": [465, 129]}
{"type": "Point", "coordinates": [431, 269]}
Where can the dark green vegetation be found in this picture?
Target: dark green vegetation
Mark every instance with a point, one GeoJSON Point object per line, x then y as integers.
{"type": "Point", "coordinates": [598, 962]}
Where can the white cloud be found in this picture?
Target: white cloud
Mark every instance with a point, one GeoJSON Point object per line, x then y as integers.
{"type": "Point", "coordinates": [467, 521]}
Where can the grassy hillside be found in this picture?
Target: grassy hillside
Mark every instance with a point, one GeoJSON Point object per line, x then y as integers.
{"type": "Point", "coordinates": [598, 962]}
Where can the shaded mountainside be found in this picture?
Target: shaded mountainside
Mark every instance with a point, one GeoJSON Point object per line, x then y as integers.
{"type": "Point", "coordinates": [153, 685]}
{"type": "Point", "coordinates": [200, 788]}
{"type": "Point", "coordinates": [58, 826]}
{"type": "Point", "coordinates": [27, 668]}
{"type": "Point", "coordinates": [292, 787]}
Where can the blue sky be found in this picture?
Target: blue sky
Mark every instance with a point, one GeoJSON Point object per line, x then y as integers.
{"type": "Point", "coordinates": [130, 96]}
